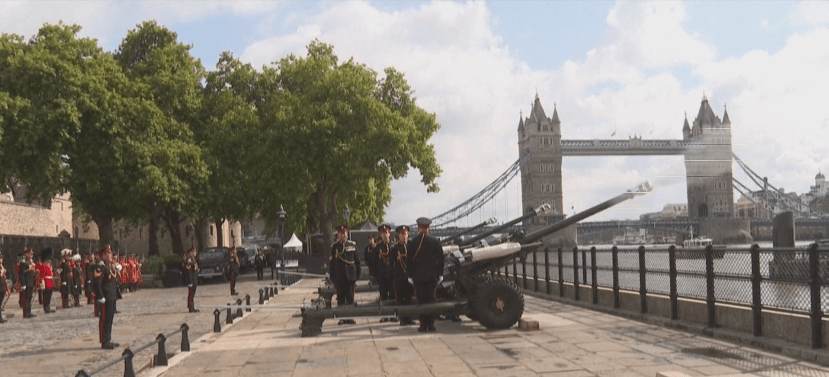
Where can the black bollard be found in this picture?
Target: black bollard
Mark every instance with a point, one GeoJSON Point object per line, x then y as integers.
{"type": "Point", "coordinates": [161, 356]}
{"type": "Point", "coordinates": [217, 326]}
{"type": "Point", "coordinates": [129, 371]}
{"type": "Point", "coordinates": [229, 318]}
{"type": "Point", "coordinates": [271, 291]}
{"type": "Point", "coordinates": [261, 296]}
{"type": "Point", "coordinates": [239, 309]}
{"type": "Point", "coordinates": [247, 302]}
{"type": "Point", "coordinates": [185, 339]}
{"type": "Point", "coordinates": [81, 373]}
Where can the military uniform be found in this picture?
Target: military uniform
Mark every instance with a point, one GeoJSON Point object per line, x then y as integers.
{"type": "Point", "coordinates": [403, 290]}
{"type": "Point", "coordinates": [67, 279]}
{"type": "Point", "coordinates": [425, 268]}
{"type": "Point", "coordinates": [4, 288]}
{"type": "Point", "coordinates": [370, 257]}
{"type": "Point", "coordinates": [48, 276]}
{"type": "Point", "coordinates": [384, 267]}
{"type": "Point", "coordinates": [234, 270]}
{"type": "Point", "coordinates": [259, 263]}
{"type": "Point", "coordinates": [191, 277]}
{"type": "Point", "coordinates": [105, 284]}
{"type": "Point", "coordinates": [77, 278]}
{"type": "Point", "coordinates": [344, 268]}
{"type": "Point", "coordinates": [26, 277]}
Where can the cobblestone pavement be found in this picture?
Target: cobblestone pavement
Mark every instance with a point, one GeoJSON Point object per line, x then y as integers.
{"type": "Point", "coordinates": [61, 343]}
{"type": "Point", "coordinates": [572, 341]}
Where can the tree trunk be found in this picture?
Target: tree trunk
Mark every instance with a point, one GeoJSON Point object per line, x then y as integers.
{"type": "Point", "coordinates": [326, 218]}
{"type": "Point", "coordinates": [201, 232]}
{"type": "Point", "coordinates": [105, 232]}
{"type": "Point", "coordinates": [173, 220]}
{"type": "Point", "coordinates": [220, 239]}
{"type": "Point", "coordinates": [153, 230]}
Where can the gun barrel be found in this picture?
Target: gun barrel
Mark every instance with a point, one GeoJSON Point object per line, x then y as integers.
{"type": "Point", "coordinates": [455, 236]}
{"type": "Point", "coordinates": [541, 209]}
{"type": "Point", "coordinates": [543, 232]}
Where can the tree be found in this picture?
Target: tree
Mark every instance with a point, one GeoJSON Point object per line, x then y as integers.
{"type": "Point", "coordinates": [73, 122]}
{"type": "Point", "coordinates": [335, 135]}
{"type": "Point", "coordinates": [151, 56]}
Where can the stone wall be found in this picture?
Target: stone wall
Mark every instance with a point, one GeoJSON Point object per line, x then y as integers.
{"type": "Point", "coordinates": [34, 220]}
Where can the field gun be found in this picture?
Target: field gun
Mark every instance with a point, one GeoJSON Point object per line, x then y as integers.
{"type": "Point", "coordinates": [469, 286]}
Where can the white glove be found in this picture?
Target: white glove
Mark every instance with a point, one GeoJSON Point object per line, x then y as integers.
{"type": "Point", "coordinates": [440, 279]}
{"type": "Point", "coordinates": [410, 281]}
{"type": "Point", "coordinates": [63, 283]}
{"type": "Point", "coordinates": [189, 285]}
{"type": "Point", "coordinates": [23, 288]}
{"type": "Point", "coordinates": [102, 300]}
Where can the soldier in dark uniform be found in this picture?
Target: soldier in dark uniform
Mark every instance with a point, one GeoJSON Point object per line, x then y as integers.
{"type": "Point", "coordinates": [384, 266]}
{"type": "Point", "coordinates": [403, 290]}
{"type": "Point", "coordinates": [259, 263]}
{"type": "Point", "coordinates": [106, 292]}
{"type": "Point", "coordinates": [234, 270]}
{"type": "Point", "coordinates": [86, 267]}
{"type": "Point", "coordinates": [344, 269]}
{"type": "Point", "coordinates": [425, 267]}
{"type": "Point", "coordinates": [191, 277]}
{"type": "Point", "coordinates": [4, 287]}
{"type": "Point", "coordinates": [67, 277]}
{"type": "Point", "coordinates": [77, 278]}
{"type": "Point", "coordinates": [26, 277]}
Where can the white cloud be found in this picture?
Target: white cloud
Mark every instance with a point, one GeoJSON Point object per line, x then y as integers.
{"type": "Point", "coordinates": [632, 81]}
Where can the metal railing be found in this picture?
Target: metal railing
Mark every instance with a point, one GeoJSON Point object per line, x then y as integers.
{"type": "Point", "coordinates": [793, 280]}
{"type": "Point", "coordinates": [159, 359]}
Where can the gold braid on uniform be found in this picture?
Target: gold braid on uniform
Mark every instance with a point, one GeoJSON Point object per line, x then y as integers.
{"type": "Point", "coordinates": [384, 256]}
{"type": "Point", "coordinates": [340, 256]}
{"type": "Point", "coordinates": [401, 258]}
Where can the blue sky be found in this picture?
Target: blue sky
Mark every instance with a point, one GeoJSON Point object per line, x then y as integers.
{"type": "Point", "coordinates": [636, 67]}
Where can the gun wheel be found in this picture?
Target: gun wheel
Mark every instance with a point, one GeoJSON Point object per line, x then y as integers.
{"type": "Point", "coordinates": [479, 280]}
{"type": "Point", "coordinates": [498, 304]}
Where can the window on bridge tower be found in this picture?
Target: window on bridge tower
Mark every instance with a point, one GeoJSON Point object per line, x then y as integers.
{"type": "Point", "coordinates": [703, 210]}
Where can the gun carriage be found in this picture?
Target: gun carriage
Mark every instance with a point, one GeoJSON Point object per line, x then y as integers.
{"type": "Point", "coordinates": [469, 286]}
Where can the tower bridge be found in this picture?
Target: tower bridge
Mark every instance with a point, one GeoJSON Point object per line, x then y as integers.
{"type": "Point", "coordinates": [706, 147]}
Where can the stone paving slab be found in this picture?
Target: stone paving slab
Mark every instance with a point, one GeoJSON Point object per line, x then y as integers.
{"type": "Point", "coordinates": [571, 342]}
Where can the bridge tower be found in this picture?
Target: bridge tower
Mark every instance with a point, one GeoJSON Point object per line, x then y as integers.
{"type": "Point", "coordinates": [708, 167]}
{"type": "Point", "coordinates": [540, 136]}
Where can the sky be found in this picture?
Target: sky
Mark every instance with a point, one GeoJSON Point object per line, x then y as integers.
{"type": "Point", "coordinates": [632, 67]}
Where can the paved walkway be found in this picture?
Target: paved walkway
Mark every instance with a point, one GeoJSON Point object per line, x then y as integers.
{"type": "Point", "coordinates": [572, 341]}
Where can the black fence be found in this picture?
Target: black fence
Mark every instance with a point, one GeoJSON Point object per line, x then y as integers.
{"type": "Point", "coordinates": [159, 359]}
{"type": "Point", "coordinates": [792, 280]}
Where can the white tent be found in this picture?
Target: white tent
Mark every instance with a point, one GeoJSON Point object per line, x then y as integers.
{"type": "Point", "coordinates": [294, 243]}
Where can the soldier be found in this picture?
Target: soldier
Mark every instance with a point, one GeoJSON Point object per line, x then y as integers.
{"type": "Point", "coordinates": [259, 263]}
{"type": "Point", "coordinates": [48, 274]}
{"type": "Point", "coordinates": [370, 258]}
{"type": "Point", "coordinates": [77, 278]}
{"type": "Point", "coordinates": [4, 288]}
{"type": "Point", "coordinates": [425, 268]}
{"type": "Point", "coordinates": [384, 267]}
{"type": "Point", "coordinates": [105, 283]}
{"type": "Point", "coordinates": [191, 276]}
{"type": "Point", "coordinates": [67, 278]}
{"type": "Point", "coordinates": [87, 272]}
{"type": "Point", "coordinates": [344, 269]}
{"type": "Point", "coordinates": [403, 290]}
{"type": "Point", "coordinates": [27, 282]}
{"type": "Point", "coordinates": [234, 270]}
{"type": "Point", "coordinates": [96, 263]}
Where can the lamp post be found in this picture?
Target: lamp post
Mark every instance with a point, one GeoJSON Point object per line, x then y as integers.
{"type": "Point", "coordinates": [281, 213]}
{"type": "Point", "coordinates": [347, 215]}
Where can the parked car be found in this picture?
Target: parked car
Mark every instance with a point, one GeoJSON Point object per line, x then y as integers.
{"type": "Point", "coordinates": [214, 262]}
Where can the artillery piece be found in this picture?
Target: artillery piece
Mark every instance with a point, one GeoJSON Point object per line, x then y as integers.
{"type": "Point", "coordinates": [469, 287]}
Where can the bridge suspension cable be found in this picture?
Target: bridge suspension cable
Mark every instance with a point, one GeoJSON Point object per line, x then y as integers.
{"type": "Point", "coordinates": [482, 197]}
{"type": "Point", "coordinates": [773, 197]}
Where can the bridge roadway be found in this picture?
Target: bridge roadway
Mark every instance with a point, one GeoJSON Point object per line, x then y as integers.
{"type": "Point", "coordinates": [572, 341]}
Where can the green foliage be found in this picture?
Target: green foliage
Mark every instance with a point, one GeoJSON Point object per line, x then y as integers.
{"type": "Point", "coordinates": [172, 261]}
{"type": "Point", "coordinates": [150, 267]}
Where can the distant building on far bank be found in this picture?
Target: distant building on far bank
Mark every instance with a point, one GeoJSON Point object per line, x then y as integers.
{"type": "Point", "coordinates": [748, 206]}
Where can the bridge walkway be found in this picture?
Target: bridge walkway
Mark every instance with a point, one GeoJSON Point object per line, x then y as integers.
{"type": "Point", "coordinates": [572, 341]}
